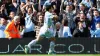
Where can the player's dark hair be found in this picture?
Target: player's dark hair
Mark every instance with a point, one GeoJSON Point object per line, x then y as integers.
{"type": "Point", "coordinates": [48, 7]}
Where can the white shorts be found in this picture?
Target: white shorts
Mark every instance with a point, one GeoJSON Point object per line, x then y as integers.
{"type": "Point", "coordinates": [46, 32]}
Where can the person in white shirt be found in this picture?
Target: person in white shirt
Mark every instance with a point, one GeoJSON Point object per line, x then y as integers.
{"type": "Point", "coordinates": [66, 30]}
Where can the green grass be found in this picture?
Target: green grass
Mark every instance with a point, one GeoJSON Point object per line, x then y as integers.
{"type": "Point", "coordinates": [51, 55]}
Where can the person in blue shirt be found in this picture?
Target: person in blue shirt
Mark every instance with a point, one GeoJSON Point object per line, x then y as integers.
{"type": "Point", "coordinates": [29, 31]}
{"type": "Point", "coordinates": [96, 19]}
{"type": "Point", "coordinates": [96, 33]}
{"type": "Point", "coordinates": [2, 27]}
{"type": "Point", "coordinates": [47, 30]}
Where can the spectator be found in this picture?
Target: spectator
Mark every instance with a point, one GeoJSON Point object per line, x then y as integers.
{"type": "Point", "coordinates": [11, 16]}
{"type": "Point", "coordinates": [98, 4]}
{"type": "Point", "coordinates": [58, 30]}
{"type": "Point", "coordinates": [73, 11]}
{"type": "Point", "coordinates": [29, 25]}
{"type": "Point", "coordinates": [56, 5]}
{"type": "Point", "coordinates": [3, 10]}
{"type": "Point", "coordinates": [69, 14]}
{"type": "Point", "coordinates": [3, 22]}
{"type": "Point", "coordinates": [40, 19]}
{"type": "Point", "coordinates": [48, 2]}
{"type": "Point", "coordinates": [87, 3]}
{"type": "Point", "coordinates": [96, 33]}
{"type": "Point", "coordinates": [81, 32]}
{"type": "Point", "coordinates": [22, 20]}
{"type": "Point", "coordinates": [66, 30]}
{"type": "Point", "coordinates": [82, 17]}
{"type": "Point", "coordinates": [21, 5]}
{"type": "Point", "coordinates": [28, 4]}
{"type": "Point", "coordinates": [83, 8]}
{"type": "Point", "coordinates": [96, 19]}
{"type": "Point", "coordinates": [14, 6]}
{"type": "Point", "coordinates": [11, 30]}
{"type": "Point", "coordinates": [23, 1]}
{"type": "Point", "coordinates": [68, 2]}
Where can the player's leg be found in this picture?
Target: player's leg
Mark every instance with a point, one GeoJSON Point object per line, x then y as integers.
{"type": "Point", "coordinates": [52, 45]}
{"type": "Point", "coordinates": [32, 43]}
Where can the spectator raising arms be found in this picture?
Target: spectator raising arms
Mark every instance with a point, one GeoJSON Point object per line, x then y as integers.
{"type": "Point", "coordinates": [29, 30]}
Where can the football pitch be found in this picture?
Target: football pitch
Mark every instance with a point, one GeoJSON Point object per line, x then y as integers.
{"type": "Point", "coordinates": [52, 55]}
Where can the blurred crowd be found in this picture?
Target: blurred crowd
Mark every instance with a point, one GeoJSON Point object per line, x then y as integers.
{"type": "Point", "coordinates": [76, 18]}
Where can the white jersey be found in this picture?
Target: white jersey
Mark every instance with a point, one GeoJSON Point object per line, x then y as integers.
{"type": "Point", "coordinates": [48, 19]}
{"type": "Point", "coordinates": [47, 30]}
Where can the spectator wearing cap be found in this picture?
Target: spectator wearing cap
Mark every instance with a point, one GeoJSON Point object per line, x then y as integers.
{"type": "Point", "coordinates": [95, 20]}
{"type": "Point", "coordinates": [3, 23]}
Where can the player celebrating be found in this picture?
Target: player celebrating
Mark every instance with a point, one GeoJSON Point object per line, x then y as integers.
{"type": "Point", "coordinates": [47, 30]}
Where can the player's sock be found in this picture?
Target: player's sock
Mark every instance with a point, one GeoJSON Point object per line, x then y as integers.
{"type": "Point", "coordinates": [52, 45]}
{"type": "Point", "coordinates": [33, 42]}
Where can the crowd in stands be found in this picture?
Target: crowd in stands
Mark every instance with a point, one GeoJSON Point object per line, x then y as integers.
{"type": "Point", "coordinates": [24, 18]}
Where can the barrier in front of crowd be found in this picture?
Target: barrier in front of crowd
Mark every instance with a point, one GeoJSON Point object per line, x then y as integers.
{"type": "Point", "coordinates": [62, 46]}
